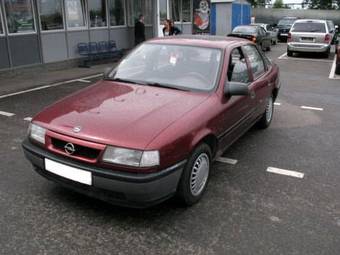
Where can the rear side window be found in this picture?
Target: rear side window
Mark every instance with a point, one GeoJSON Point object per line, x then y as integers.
{"type": "Point", "coordinates": [237, 70]}
{"type": "Point", "coordinates": [256, 62]}
{"type": "Point", "coordinates": [309, 27]}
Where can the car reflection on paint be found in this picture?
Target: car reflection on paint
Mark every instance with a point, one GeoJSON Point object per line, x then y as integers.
{"type": "Point", "coordinates": [153, 126]}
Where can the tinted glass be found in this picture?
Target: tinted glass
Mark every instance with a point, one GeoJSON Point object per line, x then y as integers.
{"type": "Point", "coordinates": [245, 29]}
{"type": "Point", "coordinates": [117, 13]}
{"type": "Point", "coordinates": [309, 27]}
{"type": "Point", "coordinates": [184, 67]}
{"type": "Point", "coordinates": [175, 8]}
{"type": "Point", "coordinates": [51, 16]}
{"type": "Point", "coordinates": [75, 13]}
{"type": "Point", "coordinates": [238, 70]}
{"type": "Point", "coordinates": [284, 22]}
{"type": "Point", "coordinates": [97, 9]}
{"type": "Point", "coordinates": [255, 59]}
{"type": "Point", "coordinates": [19, 16]}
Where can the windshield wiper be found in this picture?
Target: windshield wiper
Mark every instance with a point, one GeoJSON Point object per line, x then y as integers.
{"type": "Point", "coordinates": [126, 81]}
{"type": "Point", "coordinates": [162, 85]}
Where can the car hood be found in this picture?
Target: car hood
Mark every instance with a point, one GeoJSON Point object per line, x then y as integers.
{"type": "Point", "coordinates": [119, 114]}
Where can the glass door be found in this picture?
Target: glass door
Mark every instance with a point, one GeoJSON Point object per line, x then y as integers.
{"type": "Point", "coordinates": [162, 14]}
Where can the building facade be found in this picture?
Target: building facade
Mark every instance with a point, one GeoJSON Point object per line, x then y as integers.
{"type": "Point", "coordinates": [34, 32]}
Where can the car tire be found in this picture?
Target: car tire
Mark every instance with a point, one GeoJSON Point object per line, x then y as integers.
{"type": "Point", "coordinates": [337, 69]}
{"type": "Point", "coordinates": [195, 176]}
{"type": "Point", "coordinates": [289, 53]}
{"type": "Point", "coordinates": [268, 48]}
{"type": "Point", "coordinates": [267, 116]}
{"type": "Point", "coordinates": [327, 53]}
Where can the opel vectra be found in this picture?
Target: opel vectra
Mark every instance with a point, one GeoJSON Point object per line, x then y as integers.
{"type": "Point", "coordinates": [153, 126]}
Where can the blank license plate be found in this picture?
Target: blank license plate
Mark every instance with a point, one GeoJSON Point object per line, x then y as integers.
{"type": "Point", "coordinates": [68, 172]}
{"type": "Point", "coordinates": [307, 39]}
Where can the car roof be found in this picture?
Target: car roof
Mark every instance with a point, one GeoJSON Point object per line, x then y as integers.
{"type": "Point", "coordinates": [311, 20]}
{"type": "Point", "coordinates": [210, 41]}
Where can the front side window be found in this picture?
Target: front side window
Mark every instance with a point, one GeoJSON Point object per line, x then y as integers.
{"type": "Point", "coordinates": [19, 14]}
{"type": "Point", "coordinates": [75, 13]}
{"type": "Point", "coordinates": [255, 59]}
{"type": "Point", "coordinates": [117, 12]}
{"type": "Point", "coordinates": [51, 14]}
{"type": "Point", "coordinates": [238, 69]}
{"type": "Point", "coordinates": [174, 66]}
{"type": "Point", "coordinates": [97, 9]}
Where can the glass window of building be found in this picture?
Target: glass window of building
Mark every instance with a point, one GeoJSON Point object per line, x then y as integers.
{"type": "Point", "coordinates": [137, 7]}
{"type": "Point", "coordinates": [1, 24]}
{"type": "Point", "coordinates": [186, 11]}
{"type": "Point", "coordinates": [97, 9]}
{"type": "Point", "coordinates": [175, 8]}
{"type": "Point", "coordinates": [51, 14]}
{"type": "Point", "coordinates": [20, 18]}
{"type": "Point", "coordinates": [75, 13]}
{"type": "Point", "coordinates": [117, 12]}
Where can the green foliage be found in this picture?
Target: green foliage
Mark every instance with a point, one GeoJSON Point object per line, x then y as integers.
{"type": "Point", "coordinates": [321, 4]}
{"type": "Point", "coordinates": [278, 4]}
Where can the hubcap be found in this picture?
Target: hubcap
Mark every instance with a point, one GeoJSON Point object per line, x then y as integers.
{"type": "Point", "coordinates": [269, 109]}
{"type": "Point", "coordinates": [199, 174]}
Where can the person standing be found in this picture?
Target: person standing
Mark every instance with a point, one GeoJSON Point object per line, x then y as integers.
{"type": "Point", "coordinates": [139, 30]}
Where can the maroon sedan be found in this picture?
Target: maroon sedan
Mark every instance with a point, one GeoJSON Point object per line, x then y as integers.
{"type": "Point", "coordinates": [153, 126]}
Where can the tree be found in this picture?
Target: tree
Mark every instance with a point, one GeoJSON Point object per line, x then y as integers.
{"type": "Point", "coordinates": [258, 3]}
{"type": "Point", "coordinates": [278, 4]}
{"type": "Point", "coordinates": [318, 4]}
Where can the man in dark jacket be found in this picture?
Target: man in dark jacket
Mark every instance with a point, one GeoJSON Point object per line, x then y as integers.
{"type": "Point", "coordinates": [140, 30]}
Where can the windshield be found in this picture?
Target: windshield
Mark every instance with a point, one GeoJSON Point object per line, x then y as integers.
{"type": "Point", "coordinates": [171, 66]}
{"type": "Point", "coordinates": [309, 27]}
{"type": "Point", "coordinates": [285, 22]}
{"type": "Point", "coordinates": [245, 29]}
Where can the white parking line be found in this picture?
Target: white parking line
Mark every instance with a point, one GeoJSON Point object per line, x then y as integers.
{"type": "Point", "coordinates": [276, 103]}
{"type": "Point", "coordinates": [227, 160]}
{"type": "Point", "coordinates": [28, 118]}
{"type": "Point", "coordinates": [291, 173]}
{"type": "Point", "coordinates": [311, 108]}
{"type": "Point", "coordinates": [283, 56]}
{"type": "Point", "coordinates": [332, 72]}
{"type": "Point", "coordinates": [7, 114]}
{"type": "Point", "coordinates": [85, 81]}
{"type": "Point", "coordinates": [48, 86]}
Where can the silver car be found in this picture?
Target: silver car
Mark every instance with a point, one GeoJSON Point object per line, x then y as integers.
{"type": "Point", "coordinates": [310, 35]}
{"type": "Point", "coordinates": [271, 30]}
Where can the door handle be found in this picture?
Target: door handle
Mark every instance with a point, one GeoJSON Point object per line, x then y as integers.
{"type": "Point", "coordinates": [252, 94]}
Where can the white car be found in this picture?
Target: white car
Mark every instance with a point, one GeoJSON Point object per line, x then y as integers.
{"type": "Point", "coordinates": [272, 30]}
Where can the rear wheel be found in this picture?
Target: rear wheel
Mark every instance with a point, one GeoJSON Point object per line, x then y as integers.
{"type": "Point", "coordinates": [289, 53]}
{"type": "Point", "coordinates": [267, 116]}
{"type": "Point", "coordinates": [195, 176]}
{"type": "Point", "coordinates": [327, 53]}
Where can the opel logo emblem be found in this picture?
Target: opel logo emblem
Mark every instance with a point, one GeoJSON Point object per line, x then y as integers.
{"type": "Point", "coordinates": [77, 129]}
{"type": "Point", "coordinates": [69, 148]}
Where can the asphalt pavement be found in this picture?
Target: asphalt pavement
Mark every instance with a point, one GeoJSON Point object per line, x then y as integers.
{"type": "Point", "coordinates": [246, 209]}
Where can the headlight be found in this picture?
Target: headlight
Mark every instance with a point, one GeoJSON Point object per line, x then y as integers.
{"type": "Point", "coordinates": [37, 133]}
{"type": "Point", "coordinates": [129, 157]}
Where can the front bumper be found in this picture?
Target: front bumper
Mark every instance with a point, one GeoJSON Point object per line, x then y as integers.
{"type": "Point", "coordinates": [308, 47]}
{"type": "Point", "coordinates": [120, 188]}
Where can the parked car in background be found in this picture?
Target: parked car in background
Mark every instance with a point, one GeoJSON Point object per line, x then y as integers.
{"type": "Point", "coordinates": [272, 30]}
{"type": "Point", "coordinates": [152, 128]}
{"type": "Point", "coordinates": [284, 26]}
{"type": "Point", "coordinates": [310, 35]}
{"type": "Point", "coordinates": [254, 33]}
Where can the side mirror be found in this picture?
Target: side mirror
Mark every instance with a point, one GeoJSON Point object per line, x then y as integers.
{"type": "Point", "coordinates": [234, 88]}
{"type": "Point", "coordinates": [107, 73]}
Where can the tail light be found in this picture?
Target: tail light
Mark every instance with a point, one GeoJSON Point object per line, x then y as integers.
{"type": "Point", "coordinates": [289, 38]}
{"type": "Point", "coordinates": [253, 39]}
{"type": "Point", "coordinates": [327, 38]}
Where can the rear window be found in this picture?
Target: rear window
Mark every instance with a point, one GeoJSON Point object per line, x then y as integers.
{"type": "Point", "coordinates": [249, 29]}
{"type": "Point", "coordinates": [309, 27]}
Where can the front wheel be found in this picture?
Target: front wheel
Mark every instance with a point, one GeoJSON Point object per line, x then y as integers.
{"type": "Point", "coordinates": [195, 175]}
{"type": "Point", "coordinates": [267, 116]}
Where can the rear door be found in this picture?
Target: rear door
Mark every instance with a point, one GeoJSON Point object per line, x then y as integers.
{"type": "Point", "coordinates": [260, 86]}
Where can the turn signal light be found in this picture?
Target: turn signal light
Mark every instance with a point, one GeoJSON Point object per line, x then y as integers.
{"type": "Point", "coordinates": [289, 38]}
